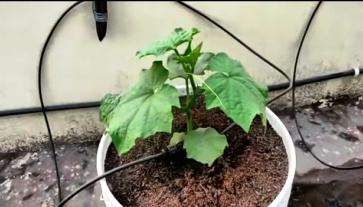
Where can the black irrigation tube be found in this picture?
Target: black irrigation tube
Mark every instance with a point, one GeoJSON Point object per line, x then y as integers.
{"type": "Point", "coordinates": [83, 105]}
{"type": "Point", "coordinates": [60, 107]}
{"type": "Point", "coordinates": [40, 64]}
{"type": "Point", "coordinates": [316, 79]}
{"type": "Point", "coordinates": [294, 101]}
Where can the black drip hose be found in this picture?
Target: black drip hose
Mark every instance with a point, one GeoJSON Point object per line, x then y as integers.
{"type": "Point", "coordinates": [316, 79]}
{"type": "Point", "coordinates": [294, 101]}
{"type": "Point", "coordinates": [93, 104]}
{"type": "Point", "coordinates": [44, 49]}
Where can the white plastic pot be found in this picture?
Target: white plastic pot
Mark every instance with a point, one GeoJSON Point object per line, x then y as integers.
{"type": "Point", "coordinates": [281, 199]}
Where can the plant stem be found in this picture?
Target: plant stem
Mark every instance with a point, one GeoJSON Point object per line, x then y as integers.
{"type": "Point", "coordinates": [176, 52]}
{"type": "Point", "coordinates": [189, 113]}
{"type": "Point", "coordinates": [193, 85]}
{"type": "Point", "coordinates": [189, 121]}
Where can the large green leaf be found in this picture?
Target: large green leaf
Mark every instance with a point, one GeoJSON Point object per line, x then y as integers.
{"type": "Point", "coordinates": [204, 145]}
{"type": "Point", "coordinates": [178, 37]}
{"type": "Point", "coordinates": [233, 90]}
{"type": "Point", "coordinates": [145, 109]}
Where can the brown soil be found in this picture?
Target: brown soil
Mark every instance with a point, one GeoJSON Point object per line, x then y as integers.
{"type": "Point", "coordinates": [251, 172]}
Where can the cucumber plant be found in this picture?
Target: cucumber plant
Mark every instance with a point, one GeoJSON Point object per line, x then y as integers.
{"type": "Point", "coordinates": [146, 107]}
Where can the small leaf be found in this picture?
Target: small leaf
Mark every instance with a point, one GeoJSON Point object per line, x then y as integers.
{"type": "Point", "coordinates": [202, 63]}
{"type": "Point", "coordinates": [204, 145]}
{"type": "Point", "coordinates": [175, 68]}
{"type": "Point", "coordinates": [188, 49]}
{"type": "Point", "coordinates": [145, 109]}
{"type": "Point", "coordinates": [194, 59]}
{"type": "Point", "coordinates": [233, 90]}
{"type": "Point", "coordinates": [178, 37]}
{"type": "Point", "coordinates": [176, 138]}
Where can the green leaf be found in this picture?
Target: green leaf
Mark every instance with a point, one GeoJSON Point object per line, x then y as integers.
{"type": "Point", "coordinates": [175, 68]}
{"type": "Point", "coordinates": [202, 63]}
{"type": "Point", "coordinates": [233, 90]}
{"type": "Point", "coordinates": [189, 48]}
{"type": "Point", "coordinates": [176, 138]}
{"type": "Point", "coordinates": [192, 57]}
{"type": "Point", "coordinates": [145, 109]}
{"type": "Point", "coordinates": [195, 59]}
{"type": "Point", "coordinates": [108, 103]}
{"type": "Point", "coordinates": [178, 37]}
{"type": "Point", "coordinates": [204, 145]}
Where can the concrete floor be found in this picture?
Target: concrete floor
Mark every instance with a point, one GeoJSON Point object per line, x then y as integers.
{"type": "Point", "coordinates": [333, 129]}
